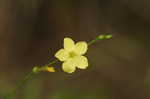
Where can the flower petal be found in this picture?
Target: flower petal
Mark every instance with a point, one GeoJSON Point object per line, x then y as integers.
{"type": "Point", "coordinates": [62, 55]}
{"type": "Point", "coordinates": [68, 66]}
{"type": "Point", "coordinates": [81, 47]}
{"type": "Point", "coordinates": [81, 62]}
{"type": "Point", "coordinates": [68, 44]}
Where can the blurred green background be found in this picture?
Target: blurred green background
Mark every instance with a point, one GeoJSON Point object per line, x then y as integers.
{"type": "Point", "coordinates": [31, 31]}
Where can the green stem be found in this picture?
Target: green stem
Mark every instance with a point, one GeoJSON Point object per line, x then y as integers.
{"type": "Point", "coordinates": [28, 77]}
{"type": "Point", "coordinates": [53, 62]}
{"type": "Point", "coordinates": [20, 84]}
{"type": "Point", "coordinates": [93, 41]}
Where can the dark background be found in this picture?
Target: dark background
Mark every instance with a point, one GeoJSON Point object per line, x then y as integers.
{"type": "Point", "coordinates": [31, 31]}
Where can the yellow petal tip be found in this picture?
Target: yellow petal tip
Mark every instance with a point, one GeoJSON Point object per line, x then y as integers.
{"type": "Point", "coordinates": [50, 69]}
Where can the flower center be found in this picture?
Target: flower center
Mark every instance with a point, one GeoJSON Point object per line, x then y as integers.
{"type": "Point", "coordinates": [72, 54]}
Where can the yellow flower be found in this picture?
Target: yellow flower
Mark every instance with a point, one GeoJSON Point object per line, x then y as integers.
{"type": "Point", "coordinates": [72, 55]}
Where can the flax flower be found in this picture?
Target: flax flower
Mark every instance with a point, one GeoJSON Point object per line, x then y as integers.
{"type": "Point", "coordinates": [72, 55]}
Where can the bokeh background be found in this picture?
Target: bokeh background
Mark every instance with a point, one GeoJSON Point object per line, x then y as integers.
{"type": "Point", "coordinates": [31, 31]}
